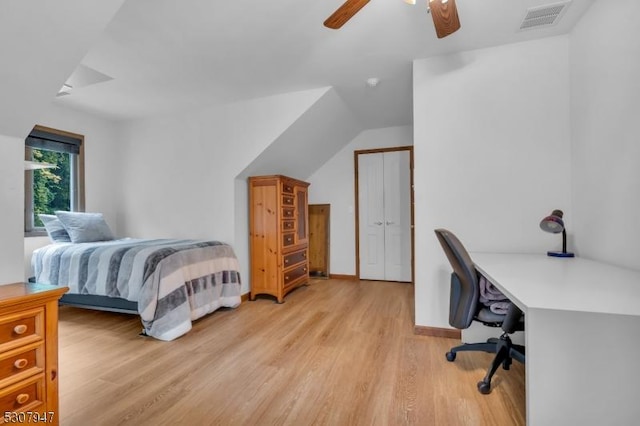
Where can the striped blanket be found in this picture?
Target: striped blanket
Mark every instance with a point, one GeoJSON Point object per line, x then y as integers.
{"type": "Point", "coordinates": [173, 281]}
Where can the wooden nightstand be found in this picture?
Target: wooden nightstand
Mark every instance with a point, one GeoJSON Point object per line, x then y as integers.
{"type": "Point", "coordinates": [29, 353]}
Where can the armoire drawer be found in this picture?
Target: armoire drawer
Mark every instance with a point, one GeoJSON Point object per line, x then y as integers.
{"type": "Point", "coordinates": [287, 200]}
{"type": "Point", "coordinates": [288, 239]}
{"type": "Point", "coordinates": [288, 225]}
{"type": "Point", "coordinates": [287, 188]}
{"type": "Point", "coordinates": [288, 212]}
{"type": "Point", "coordinates": [294, 258]}
{"type": "Point", "coordinates": [294, 274]}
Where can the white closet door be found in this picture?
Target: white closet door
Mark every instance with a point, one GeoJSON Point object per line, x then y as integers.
{"type": "Point", "coordinates": [397, 216]}
{"type": "Point", "coordinates": [384, 204]}
{"type": "Point", "coordinates": [371, 212]}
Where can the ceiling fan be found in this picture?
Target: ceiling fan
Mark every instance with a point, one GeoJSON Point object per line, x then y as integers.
{"type": "Point", "coordinates": [443, 12]}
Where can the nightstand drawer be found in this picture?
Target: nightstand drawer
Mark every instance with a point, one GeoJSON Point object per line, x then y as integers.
{"type": "Point", "coordinates": [21, 328]}
{"type": "Point", "coordinates": [21, 363]}
{"type": "Point", "coordinates": [27, 395]}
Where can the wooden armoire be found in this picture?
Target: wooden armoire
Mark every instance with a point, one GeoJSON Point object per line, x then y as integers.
{"type": "Point", "coordinates": [278, 235]}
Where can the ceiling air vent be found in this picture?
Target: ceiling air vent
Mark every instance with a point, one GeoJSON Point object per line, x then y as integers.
{"type": "Point", "coordinates": [544, 16]}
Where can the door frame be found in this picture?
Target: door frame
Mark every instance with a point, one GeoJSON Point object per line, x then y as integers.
{"type": "Point", "coordinates": [357, 209]}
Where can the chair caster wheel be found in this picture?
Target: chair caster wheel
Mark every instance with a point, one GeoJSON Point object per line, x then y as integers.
{"type": "Point", "coordinates": [451, 356]}
{"type": "Point", "coordinates": [484, 388]}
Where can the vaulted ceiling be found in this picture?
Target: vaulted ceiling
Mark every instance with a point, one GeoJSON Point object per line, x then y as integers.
{"type": "Point", "coordinates": [41, 42]}
{"type": "Point", "coordinates": [168, 55]}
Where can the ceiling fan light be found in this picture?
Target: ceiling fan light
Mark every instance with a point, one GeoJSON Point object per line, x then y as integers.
{"type": "Point", "coordinates": [373, 81]}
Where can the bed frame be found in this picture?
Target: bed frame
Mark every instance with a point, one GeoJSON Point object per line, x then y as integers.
{"type": "Point", "coordinates": [101, 303]}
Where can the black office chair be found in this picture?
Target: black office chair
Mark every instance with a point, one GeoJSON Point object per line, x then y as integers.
{"type": "Point", "coordinates": [464, 308]}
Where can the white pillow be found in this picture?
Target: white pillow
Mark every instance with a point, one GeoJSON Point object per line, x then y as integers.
{"type": "Point", "coordinates": [55, 229]}
{"type": "Point", "coordinates": [85, 227]}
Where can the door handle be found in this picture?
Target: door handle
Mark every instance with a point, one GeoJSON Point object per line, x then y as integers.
{"type": "Point", "coordinates": [377, 223]}
{"type": "Point", "coordinates": [391, 223]}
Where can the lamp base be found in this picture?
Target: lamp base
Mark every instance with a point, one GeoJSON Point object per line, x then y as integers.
{"type": "Point", "coordinates": [560, 254]}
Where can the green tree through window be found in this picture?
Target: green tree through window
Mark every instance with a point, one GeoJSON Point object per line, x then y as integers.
{"type": "Point", "coordinates": [51, 187]}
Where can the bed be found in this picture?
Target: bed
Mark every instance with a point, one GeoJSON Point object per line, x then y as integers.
{"type": "Point", "coordinates": [168, 282]}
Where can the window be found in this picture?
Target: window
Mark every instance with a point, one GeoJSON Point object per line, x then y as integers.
{"type": "Point", "coordinates": [54, 177]}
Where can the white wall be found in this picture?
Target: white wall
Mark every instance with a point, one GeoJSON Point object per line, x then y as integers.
{"type": "Point", "coordinates": [12, 206]}
{"type": "Point", "coordinates": [41, 44]}
{"type": "Point", "coordinates": [102, 158]}
{"type": "Point", "coordinates": [179, 171]}
{"type": "Point", "coordinates": [492, 156]}
{"type": "Point", "coordinates": [605, 124]}
{"type": "Point", "coordinates": [333, 184]}
{"type": "Point", "coordinates": [310, 141]}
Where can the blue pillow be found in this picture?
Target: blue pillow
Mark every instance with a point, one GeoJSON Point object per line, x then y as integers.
{"type": "Point", "coordinates": [85, 227]}
{"type": "Point", "coordinates": [55, 229]}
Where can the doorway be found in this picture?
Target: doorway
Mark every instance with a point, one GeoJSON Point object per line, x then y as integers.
{"type": "Point", "coordinates": [319, 215]}
{"type": "Point", "coordinates": [384, 214]}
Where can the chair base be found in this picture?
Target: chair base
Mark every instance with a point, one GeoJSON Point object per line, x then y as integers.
{"type": "Point", "coordinates": [490, 346]}
{"type": "Point", "coordinates": [505, 352]}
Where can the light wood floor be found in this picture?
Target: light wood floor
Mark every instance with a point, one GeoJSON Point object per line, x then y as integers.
{"type": "Point", "coordinates": [335, 353]}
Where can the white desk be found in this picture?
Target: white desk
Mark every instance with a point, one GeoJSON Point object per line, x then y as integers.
{"type": "Point", "coordinates": [582, 335]}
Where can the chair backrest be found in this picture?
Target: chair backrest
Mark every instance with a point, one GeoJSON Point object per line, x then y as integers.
{"type": "Point", "coordinates": [465, 290]}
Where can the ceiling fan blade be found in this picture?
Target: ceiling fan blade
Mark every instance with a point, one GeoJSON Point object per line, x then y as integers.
{"type": "Point", "coordinates": [344, 13]}
{"type": "Point", "coordinates": [445, 17]}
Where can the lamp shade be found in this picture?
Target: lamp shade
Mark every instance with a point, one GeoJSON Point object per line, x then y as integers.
{"type": "Point", "coordinates": [555, 225]}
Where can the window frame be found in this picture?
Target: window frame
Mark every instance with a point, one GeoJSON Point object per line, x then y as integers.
{"type": "Point", "coordinates": [29, 229]}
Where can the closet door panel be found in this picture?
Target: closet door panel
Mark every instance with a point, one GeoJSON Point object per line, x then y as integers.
{"type": "Point", "coordinates": [397, 216]}
{"type": "Point", "coordinates": [371, 216]}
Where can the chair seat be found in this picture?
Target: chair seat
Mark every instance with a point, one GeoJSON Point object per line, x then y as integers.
{"type": "Point", "coordinates": [486, 315]}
